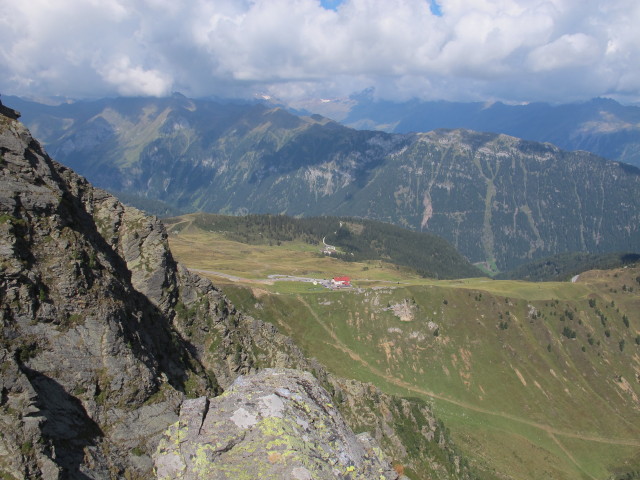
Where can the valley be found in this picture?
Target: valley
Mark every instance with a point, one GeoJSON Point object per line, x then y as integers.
{"type": "Point", "coordinates": [533, 380]}
{"type": "Point", "coordinates": [451, 373]}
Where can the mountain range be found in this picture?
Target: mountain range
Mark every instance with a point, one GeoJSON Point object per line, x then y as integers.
{"type": "Point", "coordinates": [601, 125]}
{"type": "Point", "coordinates": [119, 362]}
{"type": "Point", "coordinates": [498, 199]}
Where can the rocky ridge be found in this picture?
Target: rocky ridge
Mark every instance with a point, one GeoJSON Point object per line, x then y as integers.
{"type": "Point", "coordinates": [93, 371]}
{"type": "Point", "coordinates": [104, 335]}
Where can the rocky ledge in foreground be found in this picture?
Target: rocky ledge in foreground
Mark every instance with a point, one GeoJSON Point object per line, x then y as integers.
{"type": "Point", "coordinates": [278, 423]}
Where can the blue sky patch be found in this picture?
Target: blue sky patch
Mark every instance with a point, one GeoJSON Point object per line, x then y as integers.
{"type": "Point", "coordinates": [331, 4]}
{"type": "Point", "coordinates": [435, 8]}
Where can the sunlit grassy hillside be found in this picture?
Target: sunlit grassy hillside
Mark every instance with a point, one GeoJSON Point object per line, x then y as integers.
{"type": "Point", "coordinates": [534, 380]}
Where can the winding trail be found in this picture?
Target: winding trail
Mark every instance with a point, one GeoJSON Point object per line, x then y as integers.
{"type": "Point", "coordinates": [552, 432]}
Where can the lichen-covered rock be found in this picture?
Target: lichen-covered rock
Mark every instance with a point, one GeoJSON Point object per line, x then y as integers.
{"type": "Point", "coordinates": [276, 424]}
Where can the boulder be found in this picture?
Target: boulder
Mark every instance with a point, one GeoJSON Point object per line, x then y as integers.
{"type": "Point", "coordinates": [278, 423]}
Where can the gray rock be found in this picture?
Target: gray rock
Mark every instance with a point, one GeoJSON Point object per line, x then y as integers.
{"type": "Point", "coordinates": [92, 369]}
{"type": "Point", "coordinates": [278, 423]}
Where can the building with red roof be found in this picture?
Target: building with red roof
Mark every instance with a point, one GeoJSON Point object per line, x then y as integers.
{"type": "Point", "coordinates": [340, 282]}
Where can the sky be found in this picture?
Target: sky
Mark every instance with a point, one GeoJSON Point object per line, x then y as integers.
{"type": "Point", "coordinates": [515, 51]}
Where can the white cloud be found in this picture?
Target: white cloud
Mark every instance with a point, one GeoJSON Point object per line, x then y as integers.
{"type": "Point", "coordinates": [565, 52]}
{"type": "Point", "coordinates": [514, 50]}
{"type": "Point", "coordinates": [130, 80]}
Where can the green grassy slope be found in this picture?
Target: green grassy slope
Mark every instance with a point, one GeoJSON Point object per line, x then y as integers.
{"type": "Point", "coordinates": [533, 380]}
{"type": "Point", "coordinates": [505, 378]}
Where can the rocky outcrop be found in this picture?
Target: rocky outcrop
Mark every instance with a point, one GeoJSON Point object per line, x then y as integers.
{"type": "Point", "coordinates": [93, 371]}
{"type": "Point", "coordinates": [275, 424]}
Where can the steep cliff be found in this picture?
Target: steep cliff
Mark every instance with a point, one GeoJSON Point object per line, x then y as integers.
{"type": "Point", "coordinates": [93, 371]}
{"type": "Point", "coordinates": [104, 335]}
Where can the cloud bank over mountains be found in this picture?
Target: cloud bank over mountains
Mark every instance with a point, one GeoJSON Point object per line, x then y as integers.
{"type": "Point", "coordinates": [510, 50]}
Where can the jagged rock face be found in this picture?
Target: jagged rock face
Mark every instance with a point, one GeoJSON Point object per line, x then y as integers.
{"type": "Point", "coordinates": [92, 369]}
{"type": "Point", "coordinates": [275, 424]}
